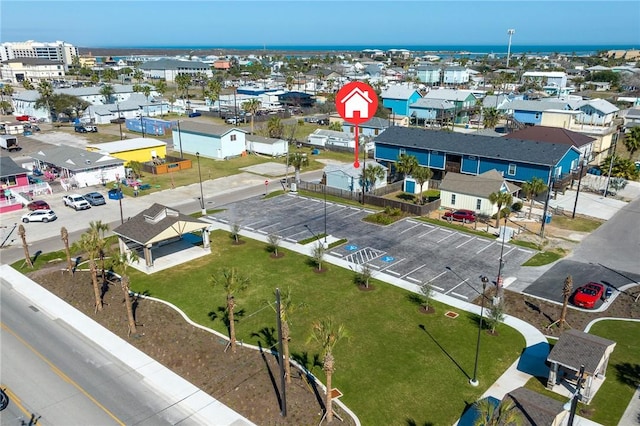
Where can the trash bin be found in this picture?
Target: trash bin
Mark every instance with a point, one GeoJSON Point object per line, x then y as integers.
{"type": "Point", "coordinates": [294, 187]}
{"type": "Point", "coordinates": [115, 194]}
{"type": "Point", "coordinates": [547, 218]}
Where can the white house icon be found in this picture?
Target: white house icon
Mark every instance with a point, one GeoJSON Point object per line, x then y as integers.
{"type": "Point", "coordinates": [357, 100]}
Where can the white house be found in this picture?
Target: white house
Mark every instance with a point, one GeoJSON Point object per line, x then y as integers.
{"type": "Point", "coordinates": [77, 167]}
{"type": "Point", "coordinates": [219, 142]}
{"type": "Point", "coordinates": [329, 138]}
{"type": "Point", "coordinates": [469, 192]}
{"type": "Point", "coordinates": [267, 146]}
{"type": "Point", "coordinates": [349, 178]}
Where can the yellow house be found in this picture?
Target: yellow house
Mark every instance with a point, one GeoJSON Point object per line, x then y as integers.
{"type": "Point", "coordinates": [137, 149]}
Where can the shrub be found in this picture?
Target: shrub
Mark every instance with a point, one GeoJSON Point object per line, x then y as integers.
{"type": "Point", "coordinates": [517, 206]}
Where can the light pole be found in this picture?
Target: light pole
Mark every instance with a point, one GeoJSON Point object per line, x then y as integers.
{"type": "Point", "coordinates": [120, 198]}
{"type": "Point", "coordinates": [510, 33]}
{"type": "Point", "coordinates": [324, 180]}
{"type": "Point", "coordinates": [606, 188]}
{"type": "Point", "coordinates": [575, 205]}
{"type": "Point", "coordinates": [499, 281]}
{"type": "Point", "coordinates": [119, 120]}
{"type": "Point", "coordinates": [142, 121]}
{"type": "Point", "coordinates": [572, 405]}
{"type": "Point", "coordinates": [202, 209]}
{"type": "Point", "coordinates": [474, 381]}
{"type": "Point", "coordinates": [180, 140]}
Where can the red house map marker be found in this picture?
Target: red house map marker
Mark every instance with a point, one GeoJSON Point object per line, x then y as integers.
{"type": "Point", "coordinates": [356, 102]}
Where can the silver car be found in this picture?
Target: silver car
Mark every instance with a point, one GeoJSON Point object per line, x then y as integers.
{"type": "Point", "coordinates": [39, 216]}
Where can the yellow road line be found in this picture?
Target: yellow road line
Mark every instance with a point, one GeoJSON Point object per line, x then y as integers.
{"type": "Point", "coordinates": [13, 398]}
{"type": "Point", "coordinates": [62, 375]}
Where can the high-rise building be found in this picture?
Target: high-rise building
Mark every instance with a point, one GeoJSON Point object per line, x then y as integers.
{"type": "Point", "coordinates": [53, 51]}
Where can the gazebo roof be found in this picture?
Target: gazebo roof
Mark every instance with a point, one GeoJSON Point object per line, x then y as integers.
{"type": "Point", "coordinates": [158, 223]}
{"type": "Point", "coordinates": [575, 348]}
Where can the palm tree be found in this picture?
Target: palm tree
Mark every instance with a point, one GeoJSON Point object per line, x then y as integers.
{"type": "Point", "coordinates": [64, 236]}
{"type": "Point", "coordinates": [232, 282]}
{"type": "Point", "coordinates": [503, 415]}
{"type": "Point", "coordinates": [27, 85]}
{"type": "Point", "coordinates": [213, 90]}
{"type": "Point", "coordinates": [5, 107]}
{"type": "Point", "coordinates": [45, 89]}
{"type": "Point", "coordinates": [161, 87]}
{"type": "Point", "coordinates": [251, 106]}
{"type": "Point", "coordinates": [422, 176]}
{"type": "Point", "coordinates": [501, 199]}
{"type": "Point", "coordinates": [406, 164]}
{"type": "Point", "coordinates": [632, 141]}
{"type": "Point", "coordinates": [138, 75]}
{"type": "Point", "coordinates": [370, 175]}
{"type": "Point", "coordinates": [567, 289]}
{"type": "Point", "coordinates": [491, 117]}
{"type": "Point", "coordinates": [298, 160]}
{"type": "Point", "coordinates": [495, 316]}
{"type": "Point", "coordinates": [275, 128]}
{"type": "Point", "coordinates": [532, 189]}
{"type": "Point", "coordinates": [109, 74]}
{"type": "Point", "coordinates": [89, 244]}
{"type": "Point", "coordinates": [122, 263]}
{"type": "Point", "coordinates": [107, 91]}
{"type": "Point", "coordinates": [328, 334]}
{"type": "Point", "coordinates": [183, 81]}
{"type": "Point", "coordinates": [287, 308]}
{"type": "Point", "coordinates": [146, 91]}
{"type": "Point", "coordinates": [23, 236]}
{"type": "Point", "coordinates": [98, 228]}
{"type": "Point", "coordinates": [288, 82]}
{"type": "Point", "coordinates": [274, 243]}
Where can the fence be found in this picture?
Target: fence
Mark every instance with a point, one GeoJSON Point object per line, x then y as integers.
{"type": "Point", "coordinates": [374, 198]}
{"type": "Point", "coordinates": [171, 164]}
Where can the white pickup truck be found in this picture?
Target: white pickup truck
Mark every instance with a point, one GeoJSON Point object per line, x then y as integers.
{"type": "Point", "coordinates": [76, 202]}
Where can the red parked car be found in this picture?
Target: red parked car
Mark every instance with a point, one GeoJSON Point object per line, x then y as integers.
{"type": "Point", "coordinates": [465, 216]}
{"type": "Point", "coordinates": [38, 205]}
{"type": "Point", "coordinates": [22, 118]}
{"type": "Point", "coordinates": [587, 295]}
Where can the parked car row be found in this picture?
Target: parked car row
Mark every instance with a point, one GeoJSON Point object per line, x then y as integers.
{"type": "Point", "coordinates": [40, 210]}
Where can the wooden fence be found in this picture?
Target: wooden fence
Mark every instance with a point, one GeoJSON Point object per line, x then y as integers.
{"type": "Point", "coordinates": [171, 165]}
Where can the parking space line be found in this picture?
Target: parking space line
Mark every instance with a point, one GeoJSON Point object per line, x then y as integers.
{"type": "Point", "coordinates": [291, 240]}
{"type": "Point", "coordinates": [448, 236]}
{"type": "Point", "coordinates": [269, 226]}
{"type": "Point", "coordinates": [393, 264]}
{"type": "Point", "coordinates": [459, 295]}
{"type": "Point", "coordinates": [249, 228]}
{"type": "Point", "coordinates": [335, 253]}
{"type": "Point", "coordinates": [412, 221]}
{"type": "Point", "coordinates": [393, 272]}
{"type": "Point", "coordinates": [470, 239]}
{"type": "Point", "coordinates": [413, 279]}
{"type": "Point", "coordinates": [352, 214]}
{"type": "Point", "coordinates": [438, 276]}
{"type": "Point", "coordinates": [262, 232]}
{"type": "Point", "coordinates": [456, 286]}
{"type": "Point", "coordinates": [434, 229]}
{"type": "Point", "coordinates": [436, 287]}
{"type": "Point", "coordinates": [409, 229]}
{"type": "Point", "coordinates": [524, 250]}
{"type": "Point", "coordinates": [374, 266]}
{"type": "Point", "coordinates": [419, 267]}
{"type": "Point", "coordinates": [481, 250]}
{"type": "Point", "coordinates": [512, 249]}
{"type": "Point", "coordinates": [223, 220]}
{"type": "Point", "coordinates": [253, 224]}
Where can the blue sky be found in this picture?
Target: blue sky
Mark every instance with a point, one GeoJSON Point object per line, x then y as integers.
{"type": "Point", "coordinates": [119, 23]}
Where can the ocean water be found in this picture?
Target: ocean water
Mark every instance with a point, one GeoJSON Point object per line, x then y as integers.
{"type": "Point", "coordinates": [471, 49]}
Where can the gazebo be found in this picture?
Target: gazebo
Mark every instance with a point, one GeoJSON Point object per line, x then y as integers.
{"type": "Point", "coordinates": [162, 237]}
{"type": "Point", "coordinates": [574, 349]}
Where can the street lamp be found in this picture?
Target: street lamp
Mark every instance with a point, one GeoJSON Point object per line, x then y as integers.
{"type": "Point", "coordinates": [180, 140]}
{"type": "Point", "coordinates": [203, 210]}
{"type": "Point", "coordinates": [499, 281]}
{"type": "Point", "coordinates": [142, 121]}
{"type": "Point", "coordinates": [575, 205]}
{"type": "Point", "coordinates": [510, 33]}
{"type": "Point", "coordinates": [324, 180]}
{"type": "Point", "coordinates": [572, 404]}
{"type": "Point", "coordinates": [474, 381]}
{"type": "Point", "coordinates": [120, 120]}
{"type": "Point", "coordinates": [120, 198]}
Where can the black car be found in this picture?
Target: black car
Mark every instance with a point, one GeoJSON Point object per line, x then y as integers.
{"type": "Point", "coordinates": [80, 129]}
{"type": "Point", "coordinates": [94, 198]}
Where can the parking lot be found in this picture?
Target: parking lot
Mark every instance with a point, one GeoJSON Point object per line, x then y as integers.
{"type": "Point", "coordinates": [418, 252]}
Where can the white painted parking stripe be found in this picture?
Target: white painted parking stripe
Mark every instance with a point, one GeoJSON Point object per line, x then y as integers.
{"type": "Point", "coordinates": [483, 249]}
{"type": "Point", "coordinates": [436, 287]}
{"type": "Point", "coordinates": [249, 228]}
{"type": "Point", "coordinates": [374, 266]}
{"type": "Point", "coordinates": [409, 229]}
{"type": "Point", "coordinates": [262, 232]}
{"type": "Point", "coordinates": [393, 264]}
{"type": "Point", "coordinates": [413, 279]}
{"type": "Point", "coordinates": [351, 214]}
{"type": "Point", "coordinates": [456, 286]}
{"type": "Point", "coordinates": [448, 236]}
{"type": "Point", "coordinates": [469, 240]}
{"type": "Point", "coordinates": [335, 253]}
{"type": "Point", "coordinates": [419, 267]}
{"type": "Point", "coordinates": [393, 272]}
{"type": "Point", "coordinates": [290, 240]}
{"type": "Point", "coordinates": [412, 221]}
{"type": "Point", "coordinates": [269, 226]}
{"type": "Point", "coordinates": [434, 229]}
{"type": "Point", "coordinates": [254, 223]}
{"type": "Point", "coordinates": [459, 295]}
{"type": "Point", "coordinates": [512, 249]}
{"type": "Point", "coordinates": [223, 220]}
{"type": "Point", "coordinates": [526, 251]}
{"type": "Point", "coordinates": [438, 276]}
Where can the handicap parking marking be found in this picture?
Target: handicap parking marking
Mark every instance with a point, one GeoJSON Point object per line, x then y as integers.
{"type": "Point", "coordinates": [351, 247]}
{"type": "Point", "coordinates": [387, 259]}
{"type": "Point", "coordinates": [365, 255]}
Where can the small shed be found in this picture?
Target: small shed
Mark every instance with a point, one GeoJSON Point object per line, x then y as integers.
{"type": "Point", "coordinates": [266, 146]}
{"type": "Point", "coordinates": [162, 237]}
{"type": "Point", "coordinates": [348, 178]}
{"type": "Point", "coordinates": [574, 349]}
{"type": "Point", "coordinates": [535, 409]}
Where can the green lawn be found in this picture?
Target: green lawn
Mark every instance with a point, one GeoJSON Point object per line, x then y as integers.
{"type": "Point", "coordinates": [543, 258]}
{"type": "Point", "coordinates": [578, 224]}
{"type": "Point", "coordinates": [623, 373]}
{"type": "Point", "coordinates": [390, 370]}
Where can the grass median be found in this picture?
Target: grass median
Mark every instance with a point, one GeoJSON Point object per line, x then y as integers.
{"type": "Point", "coordinates": [391, 370]}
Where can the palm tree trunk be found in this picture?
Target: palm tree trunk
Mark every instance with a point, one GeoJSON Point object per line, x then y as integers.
{"type": "Point", "coordinates": [285, 350]}
{"type": "Point", "coordinates": [328, 368]}
{"type": "Point", "coordinates": [124, 281]}
{"type": "Point", "coordinates": [96, 286]}
{"type": "Point", "coordinates": [298, 175]}
{"type": "Point", "coordinates": [531, 207]}
{"type": "Point", "coordinates": [498, 216]}
{"type": "Point", "coordinates": [25, 247]}
{"type": "Point", "coordinates": [232, 326]}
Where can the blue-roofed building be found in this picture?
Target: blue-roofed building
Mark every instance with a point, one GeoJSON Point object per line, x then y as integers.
{"type": "Point", "coordinates": [399, 97]}
{"type": "Point", "coordinates": [516, 159]}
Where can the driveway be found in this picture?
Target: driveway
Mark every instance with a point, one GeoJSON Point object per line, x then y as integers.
{"type": "Point", "coordinates": [411, 250]}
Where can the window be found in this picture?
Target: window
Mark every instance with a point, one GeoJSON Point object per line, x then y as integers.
{"type": "Point", "coordinates": [453, 199]}
{"type": "Point", "coordinates": [376, 132]}
{"type": "Point", "coordinates": [233, 137]}
{"type": "Point", "coordinates": [512, 169]}
{"type": "Point", "coordinates": [403, 151]}
{"type": "Point", "coordinates": [478, 204]}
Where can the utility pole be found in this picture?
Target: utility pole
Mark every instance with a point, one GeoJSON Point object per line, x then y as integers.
{"type": "Point", "coordinates": [283, 408]}
{"type": "Point", "coordinates": [510, 33]}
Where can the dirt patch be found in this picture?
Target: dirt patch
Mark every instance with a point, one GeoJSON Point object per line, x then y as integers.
{"type": "Point", "coordinates": [242, 381]}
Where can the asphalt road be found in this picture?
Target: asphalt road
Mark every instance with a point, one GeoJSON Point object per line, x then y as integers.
{"type": "Point", "coordinates": [610, 255]}
{"type": "Point", "coordinates": [63, 378]}
{"type": "Point", "coordinates": [451, 261]}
